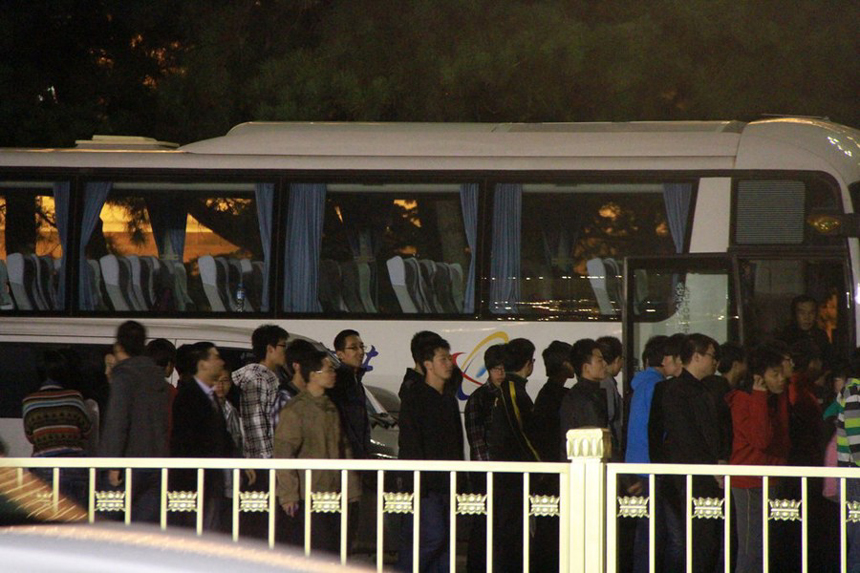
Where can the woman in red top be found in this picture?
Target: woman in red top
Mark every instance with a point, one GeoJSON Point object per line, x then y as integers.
{"type": "Point", "coordinates": [760, 426]}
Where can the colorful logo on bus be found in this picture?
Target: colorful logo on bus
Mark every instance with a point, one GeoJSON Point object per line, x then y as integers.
{"type": "Point", "coordinates": [472, 365]}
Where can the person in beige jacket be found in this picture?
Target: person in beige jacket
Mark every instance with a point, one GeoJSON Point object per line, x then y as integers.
{"type": "Point", "coordinates": [309, 428]}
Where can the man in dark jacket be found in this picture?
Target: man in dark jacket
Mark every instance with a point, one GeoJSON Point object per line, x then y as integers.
{"type": "Point", "coordinates": [430, 429]}
{"type": "Point", "coordinates": [512, 438]}
{"type": "Point", "coordinates": [136, 419]}
{"type": "Point", "coordinates": [200, 431]}
{"type": "Point", "coordinates": [585, 405]}
{"type": "Point", "coordinates": [348, 392]}
{"type": "Point", "coordinates": [692, 435]}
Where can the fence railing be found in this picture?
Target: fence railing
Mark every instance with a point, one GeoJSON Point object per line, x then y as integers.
{"type": "Point", "coordinates": [589, 506]}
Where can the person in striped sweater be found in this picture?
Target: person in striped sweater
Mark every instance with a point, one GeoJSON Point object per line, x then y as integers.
{"type": "Point", "coordinates": [56, 422]}
{"type": "Point", "coordinates": [848, 448]}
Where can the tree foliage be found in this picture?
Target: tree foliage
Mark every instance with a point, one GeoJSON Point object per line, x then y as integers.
{"type": "Point", "coordinates": [186, 71]}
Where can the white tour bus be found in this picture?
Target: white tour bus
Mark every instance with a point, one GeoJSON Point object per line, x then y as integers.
{"type": "Point", "coordinates": [480, 232]}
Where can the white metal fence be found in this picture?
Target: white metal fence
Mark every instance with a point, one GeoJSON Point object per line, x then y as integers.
{"type": "Point", "coordinates": [589, 507]}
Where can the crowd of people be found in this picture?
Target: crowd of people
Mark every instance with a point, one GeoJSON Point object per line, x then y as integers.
{"type": "Point", "coordinates": [789, 400]}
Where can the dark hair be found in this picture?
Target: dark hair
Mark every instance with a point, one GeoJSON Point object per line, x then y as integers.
{"type": "Point", "coordinates": [581, 353]}
{"type": "Point", "coordinates": [655, 350]}
{"type": "Point", "coordinates": [54, 365]}
{"type": "Point", "coordinates": [419, 339]}
{"type": "Point", "coordinates": [265, 336]}
{"type": "Point", "coordinates": [610, 348]}
{"type": "Point", "coordinates": [554, 357]}
{"type": "Point", "coordinates": [162, 352]}
{"type": "Point", "coordinates": [779, 346]}
{"type": "Point", "coordinates": [184, 366]}
{"type": "Point", "coordinates": [803, 352]}
{"type": "Point", "coordinates": [311, 361]}
{"type": "Point", "coordinates": [675, 344]}
{"type": "Point", "coordinates": [730, 352]}
{"type": "Point", "coordinates": [197, 352]}
{"type": "Point", "coordinates": [428, 351]}
{"type": "Point", "coordinates": [131, 336]}
{"type": "Point", "coordinates": [760, 359]}
{"type": "Point", "coordinates": [494, 356]}
{"type": "Point", "coordinates": [340, 339]}
{"type": "Point", "coordinates": [518, 353]}
{"type": "Point", "coordinates": [798, 300]}
{"type": "Point", "coordinates": [295, 351]}
{"type": "Point", "coordinates": [698, 343]}
{"type": "Point", "coordinates": [854, 364]}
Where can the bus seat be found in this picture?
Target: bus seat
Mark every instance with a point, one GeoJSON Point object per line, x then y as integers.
{"type": "Point", "coordinates": [235, 276]}
{"type": "Point", "coordinates": [415, 284]}
{"type": "Point", "coordinates": [614, 282]}
{"type": "Point", "coordinates": [350, 291]}
{"type": "Point", "coordinates": [15, 266]}
{"type": "Point", "coordinates": [181, 277]}
{"type": "Point", "coordinates": [457, 286]}
{"type": "Point", "coordinates": [227, 293]}
{"type": "Point", "coordinates": [428, 274]}
{"type": "Point", "coordinates": [209, 277]}
{"type": "Point", "coordinates": [364, 280]}
{"type": "Point", "coordinates": [137, 282]}
{"type": "Point", "coordinates": [149, 270]}
{"type": "Point", "coordinates": [397, 274]}
{"type": "Point", "coordinates": [253, 287]}
{"type": "Point", "coordinates": [330, 287]}
{"type": "Point", "coordinates": [40, 279]}
{"type": "Point", "coordinates": [597, 277]}
{"type": "Point", "coordinates": [112, 272]}
{"type": "Point", "coordinates": [129, 278]}
{"type": "Point", "coordinates": [6, 302]}
{"type": "Point", "coordinates": [96, 280]}
{"type": "Point", "coordinates": [442, 286]}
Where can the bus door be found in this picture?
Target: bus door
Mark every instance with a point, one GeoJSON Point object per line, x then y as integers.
{"type": "Point", "coordinates": [680, 293]}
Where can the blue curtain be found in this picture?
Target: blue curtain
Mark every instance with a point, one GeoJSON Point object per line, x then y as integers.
{"type": "Point", "coordinates": [304, 241]}
{"type": "Point", "coordinates": [469, 204]}
{"type": "Point", "coordinates": [505, 263]}
{"type": "Point", "coordinates": [677, 197]}
{"type": "Point", "coordinates": [95, 195]}
{"type": "Point", "coordinates": [168, 216]}
{"type": "Point", "coordinates": [265, 196]}
{"type": "Point", "coordinates": [61, 217]}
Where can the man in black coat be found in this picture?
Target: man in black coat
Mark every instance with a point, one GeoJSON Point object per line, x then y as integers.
{"type": "Point", "coordinates": [200, 431]}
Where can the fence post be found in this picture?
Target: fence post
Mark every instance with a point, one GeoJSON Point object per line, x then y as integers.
{"type": "Point", "coordinates": [587, 450]}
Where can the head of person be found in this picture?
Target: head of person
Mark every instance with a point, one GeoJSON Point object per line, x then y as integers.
{"type": "Point", "coordinates": [269, 342]}
{"type": "Point", "coordinates": [296, 351]}
{"type": "Point", "coordinates": [130, 339]}
{"type": "Point", "coordinates": [223, 384]}
{"type": "Point", "coordinates": [804, 311]}
{"type": "Point", "coordinates": [784, 350]}
{"type": "Point", "coordinates": [806, 357]}
{"type": "Point", "coordinates": [349, 348]}
{"type": "Point", "coordinates": [765, 370]}
{"type": "Point", "coordinates": [612, 352]}
{"type": "Point", "coordinates": [587, 360]}
{"type": "Point", "coordinates": [556, 359]}
{"type": "Point", "coordinates": [520, 357]}
{"type": "Point", "coordinates": [206, 362]}
{"type": "Point", "coordinates": [494, 362]}
{"type": "Point", "coordinates": [54, 365]}
{"type": "Point", "coordinates": [652, 354]}
{"type": "Point", "coordinates": [700, 355]}
{"type": "Point", "coordinates": [163, 353]}
{"type": "Point", "coordinates": [317, 369]}
{"type": "Point", "coordinates": [419, 339]}
{"type": "Point", "coordinates": [184, 366]}
{"type": "Point", "coordinates": [733, 361]}
{"type": "Point", "coordinates": [674, 345]}
{"type": "Point", "coordinates": [839, 376]}
{"type": "Point", "coordinates": [436, 360]}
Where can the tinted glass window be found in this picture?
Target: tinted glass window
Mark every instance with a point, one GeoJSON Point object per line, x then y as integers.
{"type": "Point", "coordinates": [176, 247]}
{"type": "Point", "coordinates": [558, 250]}
{"type": "Point", "coordinates": [381, 249]}
{"type": "Point", "coordinates": [33, 228]}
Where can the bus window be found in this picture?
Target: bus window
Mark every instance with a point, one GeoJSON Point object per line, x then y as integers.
{"type": "Point", "coordinates": [786, 212]}
{"type": "Point", "coordinates": [384, 249]}
{"type": "Point", "coordinates": [33, 231]}
{"type": "Point", "coordinates": [175, 247]}
{"type": "Point", "coordinates": [558, 250]}
{"type": "Point", "coordinates": [771, 287]}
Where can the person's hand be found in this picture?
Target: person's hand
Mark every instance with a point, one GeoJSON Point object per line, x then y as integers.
{"type": "Point", "coordinates": [759, 385]}
{"type": "Point", "coordinates": [291, 508]}
{"type": "Point", "coordinates": [251, 475]}
{"type": "Point", "coordinates": [113, 477]}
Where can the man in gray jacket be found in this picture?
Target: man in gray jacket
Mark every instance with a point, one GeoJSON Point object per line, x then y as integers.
{"type": "Point", "coordinates": [136, 419]}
